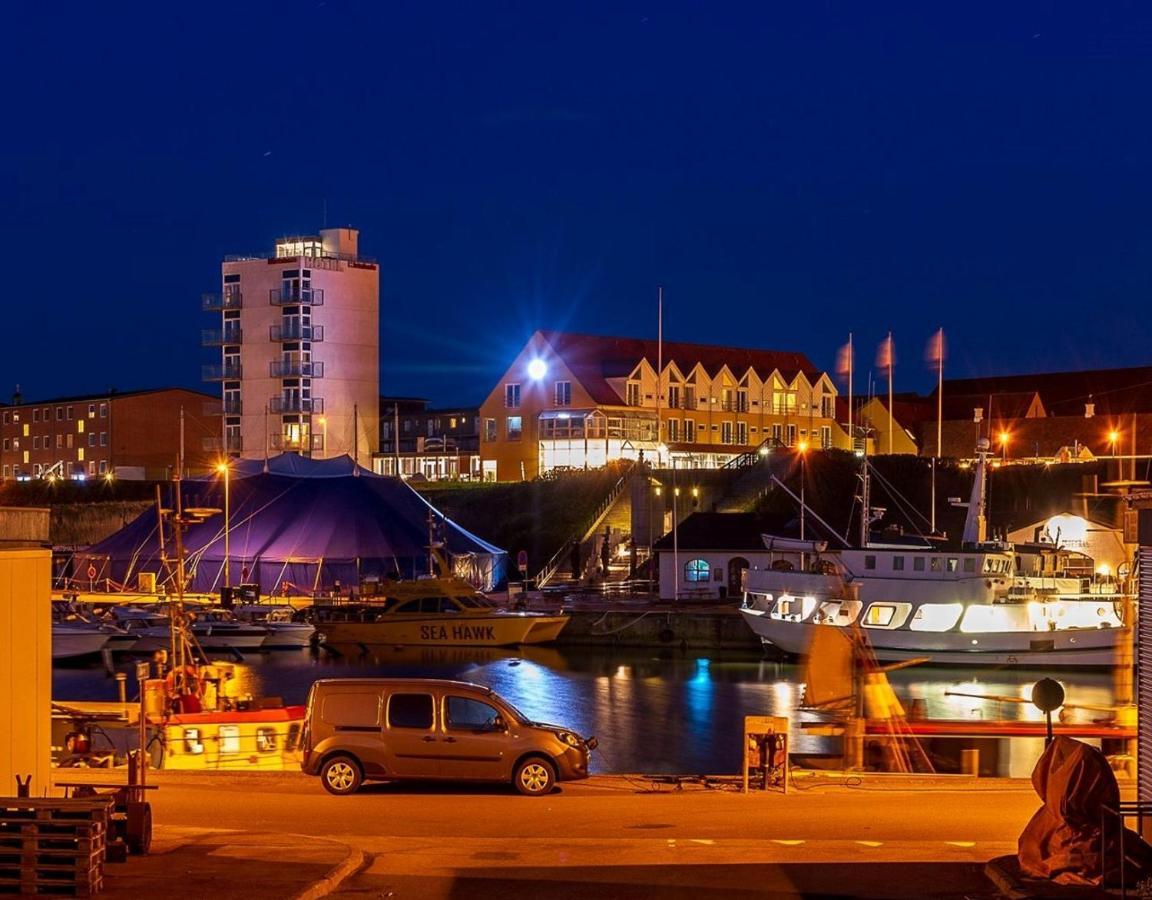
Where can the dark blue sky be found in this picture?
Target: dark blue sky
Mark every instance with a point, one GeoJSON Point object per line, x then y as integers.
{"type": "Point", "coordinates": [789, 172]}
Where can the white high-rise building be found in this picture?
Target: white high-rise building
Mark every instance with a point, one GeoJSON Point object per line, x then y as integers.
{"type": "Point", "coordinates": [299, 349]}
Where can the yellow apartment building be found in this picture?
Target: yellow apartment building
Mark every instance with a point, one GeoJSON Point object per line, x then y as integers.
{"type": "Point", "coordinates": [576, 401]}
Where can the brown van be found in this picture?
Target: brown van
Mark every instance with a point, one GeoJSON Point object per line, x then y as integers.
{"type": "Point", "coordinates": [392, 729]}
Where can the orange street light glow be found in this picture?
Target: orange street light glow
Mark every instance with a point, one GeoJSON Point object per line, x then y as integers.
{"type": "Point", "coordinates": [1113, 437]}
{"type": "Point", "coordinates": [1004, 436]}
{"type": "Point", "coordinates": [802, 446]}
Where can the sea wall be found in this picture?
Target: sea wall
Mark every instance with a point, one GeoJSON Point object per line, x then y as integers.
{"type": "Point", "coordinates": [713, 629]}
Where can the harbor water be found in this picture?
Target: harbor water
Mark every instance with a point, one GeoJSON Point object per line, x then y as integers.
{"type": "Point", "coordinates": [666, 712]}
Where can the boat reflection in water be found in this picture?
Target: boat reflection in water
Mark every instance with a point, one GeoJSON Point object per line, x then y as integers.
{"type": "Point", "coordinates": [657, 711]}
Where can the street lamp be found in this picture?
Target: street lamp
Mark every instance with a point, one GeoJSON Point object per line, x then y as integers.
{"type": "Point", "coordinates": [802, 448]}
{"type": "Point", "coordinates": [226, 470]}
{"type": "Point", "coordinates": [1113, 438]}
{"type": "Point", "coordinates": [1004, 438]}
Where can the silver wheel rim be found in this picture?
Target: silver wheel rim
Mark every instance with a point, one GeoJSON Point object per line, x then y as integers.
{"type": "Point", "coordinates": [534, 777]}
{"type": "Point", "coordinates": [341, 776]}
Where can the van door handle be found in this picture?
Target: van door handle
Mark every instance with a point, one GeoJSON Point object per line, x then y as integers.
{"type": "Point", "coordinates": [449, 740]}
{"type": "Point", "coordinates": [428, 739]}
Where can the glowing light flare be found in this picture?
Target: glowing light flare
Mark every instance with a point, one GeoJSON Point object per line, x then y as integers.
{"type": "Point", "coordinates": [1005, 437]}
{"type": "Point", "coordinates": [537, 369]}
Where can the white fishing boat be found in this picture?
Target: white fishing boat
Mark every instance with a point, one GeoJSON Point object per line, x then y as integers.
{"type": "Point", "coordinates": [76, 640]}
{"type": "Point", "coordinates": [980, 602]}
{"type": "Point", "coordinates": [284, 631]}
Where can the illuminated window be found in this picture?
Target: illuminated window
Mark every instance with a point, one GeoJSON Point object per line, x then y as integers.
{"type": "Point", "coordinates": [697, 570]}
{"type": "Point", "coordinates": [826, 436]}
{"type": "Point", "coordinates": [489, 429]}
{"type": "Point", "coordinates": [879, 614]}
{"type": "Point", "coordinates": [91, 410]}
{"type": "Point", "coordinates": [936, 617]}
{"type": "Point", "coordinates": [229, 739]}
{"type": "Point", "coordinates": [689, 430]}
{"type": "Point", "coordinates": [953, 563]}
{"type": "Point", "coordinates": [515, 428]}
{"type": "Point", "coordinates": [512, 396]}
{"type": "Point", "coordinates": [673, 429]}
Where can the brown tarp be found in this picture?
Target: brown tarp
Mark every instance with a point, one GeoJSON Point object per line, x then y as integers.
{"type": "Point", "coordinates": [1062, 842]}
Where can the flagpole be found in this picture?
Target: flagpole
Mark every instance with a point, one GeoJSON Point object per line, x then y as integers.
{"type": "Point", "coordinates": [851, 436]}
{"type": "Point", "coordinates": [891, 416]}
{"type": "Point", "coordinates": [659, 371]}
{"type": "Point", "coordinates": [939, 415]}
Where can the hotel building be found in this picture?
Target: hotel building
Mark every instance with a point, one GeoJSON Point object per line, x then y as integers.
{"type": "Point", "coordinates": [574, 401]}
{"type": "Point", "coordinates": [298, 337]}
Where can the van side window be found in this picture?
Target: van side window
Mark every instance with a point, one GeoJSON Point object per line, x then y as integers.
{"type": "Point", "coordinates": [464, 713]}
{"type": "Point", "coordinates": [410, 711]}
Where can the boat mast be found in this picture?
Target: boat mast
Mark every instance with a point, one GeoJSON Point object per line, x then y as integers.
{"type": "Point", "coordinates": [975, 522]}
{"type": "Point", "coordinates": [865, 497]}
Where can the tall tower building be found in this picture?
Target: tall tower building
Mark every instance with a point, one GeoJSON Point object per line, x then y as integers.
{"type": "Point", "coordinates": [299, 347]}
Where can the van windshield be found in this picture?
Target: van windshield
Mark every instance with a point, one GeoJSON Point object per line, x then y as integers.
{"type": "Point", "coordinates": [519, 716]}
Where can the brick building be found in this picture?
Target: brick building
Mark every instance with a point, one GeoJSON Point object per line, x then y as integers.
{"type": "Point", "coordinates": [435, 444]}
{"type": "Point", "coordinates": [128, 434]}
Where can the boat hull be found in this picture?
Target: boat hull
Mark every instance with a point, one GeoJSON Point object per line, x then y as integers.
{"type": "Point", "coordinates": [1074, 647]}
{"type": "Point", "coordinates": [503, 630]}
{"type": "Point", "coordinates": [288, 636]}
{"type": "Point", "coordinates": [77, 643]}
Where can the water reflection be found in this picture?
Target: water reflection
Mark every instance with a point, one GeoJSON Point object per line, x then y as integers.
{"type": "Point", "coordinates": [658, 712]}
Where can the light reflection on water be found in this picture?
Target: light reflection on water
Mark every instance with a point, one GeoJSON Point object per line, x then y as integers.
{"type": "Point", "coordinates": [654, 711]}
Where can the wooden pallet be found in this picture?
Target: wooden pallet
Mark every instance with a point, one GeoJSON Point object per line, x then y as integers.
{"type": "Point", "coordinates": [51, 846]}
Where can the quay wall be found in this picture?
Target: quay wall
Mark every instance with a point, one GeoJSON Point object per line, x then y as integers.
{"type": "Point", "coordinates": [712, 629]}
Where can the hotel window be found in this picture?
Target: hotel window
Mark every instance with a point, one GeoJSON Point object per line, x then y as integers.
{"type": "Point", "coordinates": [689, 430]}
{"type": "Point", "coordinates": [777, 434]}
{"type": "Point", "coordinates": [742, 400]}
{"type": "Point", "coordinates": [673, 396]}
{"type": "Point", "coordinates": [36, 442]}
{"type": "Point", "coordinates": [689, 396]}
{"type": "Point", "coordinates": [515, 428]}
{"type": "Point", "coordinates": [91, 467]}
{"type": "Point", "coordinates": [91, 438]}
{"type": "Point", "coordinates": [35, 415]}
{"type": "Point", "coordinates": [741, 432]}
{"type": "Point", "coordinates": [59, 441]}
{"type": "Point", "coordinates": [7, 443]}
{"type": "Point", "coordinates": [91, 410]}
{"type": "Point", "coordinates": [633, 393]}
{"type": "Point", "coordinates": [563, 393]}
{"type": "Point", "coordinates": [103, 467]}
{"type": "Point", "coordinates": [68, 412]}
{"type": "Point", "coordinates": [59, 413]}
{"type": "Point", "coordinates": [673, 429]}
{"type": "Point", "coordinates": [791, 435]}
{"type": "Point", "coordinates": [726, 433]}
{"type": "Point", "coordinates": [68, 439]}
{"type": "Point", "coordinates": [489, 429]}
{"type": "Point", "coordinates": [512, 396]}
{"type": "Point", "coordinates": [828, 406]}
{"type": "Point", "coordinates": [825, 436]}
{"type": "Point", "coordinates": [7, 418]}
{"type": "Point", "coordinates": [103, 410]}
{"type": "Point", "coordinates": [696, 570]}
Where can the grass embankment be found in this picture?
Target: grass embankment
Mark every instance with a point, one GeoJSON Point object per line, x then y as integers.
{"type": "Point", "coordinates": [536, 516]}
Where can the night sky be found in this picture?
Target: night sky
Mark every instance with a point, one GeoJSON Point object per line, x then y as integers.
{"type": "Point", "coordinates": [789, 173]}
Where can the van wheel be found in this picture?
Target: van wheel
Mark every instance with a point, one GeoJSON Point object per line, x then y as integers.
{"type": "Point", "coordinates": [534, 777]}
{"type": "Point", "coordinates": [341, 775]}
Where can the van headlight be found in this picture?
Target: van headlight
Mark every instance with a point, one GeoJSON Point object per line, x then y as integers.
{"type": "Point", "coordinates": [572, 740]}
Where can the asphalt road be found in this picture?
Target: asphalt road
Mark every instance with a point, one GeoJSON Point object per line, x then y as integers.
{"type": "Point", "coordinates": [622, 838]}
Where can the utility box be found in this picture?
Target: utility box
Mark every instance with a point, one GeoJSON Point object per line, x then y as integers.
{"type": "Point", "coordinates": [766, 752]}
{"type": "Point", "coordinates": [25, 670]}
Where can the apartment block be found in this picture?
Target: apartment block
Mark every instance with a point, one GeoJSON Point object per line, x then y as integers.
{"type": "Point", "coordinates": [298, 339]}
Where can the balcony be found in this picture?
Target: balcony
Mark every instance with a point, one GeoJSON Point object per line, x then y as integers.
{"type": "Point", "coordinates": [221, 408]}
{"type": "Point", "coordinates": [301, 443]}
{"type": "Point", "coordinates": [230, 444]}
{"type": "Point", "coordinates": [297, 297]}
{"type": "Point", "coordinates": [214, 302]}
{"type": "Point", "coordinates": [216, 337]}
{"type": "Point", "coordinates": [295, 331]}
{"type": "Point", "coordinates": [305, 405]}
{"type": "Point", "coordinates": [226, 372]}
{"type": "Point", "coordinates": [291, 368]}
{"type": "Point", "coordinates": [232, 407]}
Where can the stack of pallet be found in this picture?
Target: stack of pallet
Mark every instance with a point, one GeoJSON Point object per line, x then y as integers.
{"type": "Point", "coordinates": [53, 846]}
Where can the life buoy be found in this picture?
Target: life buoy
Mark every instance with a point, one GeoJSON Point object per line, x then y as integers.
{"type": "Point", "coordinates": [191, 680]}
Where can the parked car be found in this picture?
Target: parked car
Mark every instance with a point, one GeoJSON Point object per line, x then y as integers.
{"type": "Point", "coordinates": [393, 729]}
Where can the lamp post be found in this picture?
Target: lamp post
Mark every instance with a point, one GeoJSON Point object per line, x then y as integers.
{"type": "Point", "coordinates": [226, 470]}
{"type": "Point", "coordinates": [1004, 437]}
{"type": "Point", "coordinates": [802, 449]}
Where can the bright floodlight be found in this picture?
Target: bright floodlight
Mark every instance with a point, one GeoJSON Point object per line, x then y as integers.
{"type": "Point", "coordinates": [536, 369]}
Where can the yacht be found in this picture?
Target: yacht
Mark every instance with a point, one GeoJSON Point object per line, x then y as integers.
{"type": "Point", "coordinates": [284, 631]}
{"type": "Point", "coordinates": [982, 602]}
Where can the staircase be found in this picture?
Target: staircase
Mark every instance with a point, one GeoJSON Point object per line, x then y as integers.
{"type": "Point", "coordinates": [752, 478]}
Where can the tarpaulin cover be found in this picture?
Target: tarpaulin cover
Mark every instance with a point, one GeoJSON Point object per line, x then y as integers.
{"type": "Point", "coordinates": [1063, 841]}
{"type": "Point", "coordinates": [297, 525]}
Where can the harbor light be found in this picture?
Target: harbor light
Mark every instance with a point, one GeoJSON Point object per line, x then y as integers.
{"type": "Point", "coordinates": [537, 369]}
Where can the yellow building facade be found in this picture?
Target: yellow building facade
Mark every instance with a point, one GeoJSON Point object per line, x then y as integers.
{"type": "Point", "coordinates": [572, 401]}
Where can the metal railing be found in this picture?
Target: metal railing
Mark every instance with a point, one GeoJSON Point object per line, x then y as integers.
{"type": "Point", "coordinates": [215, 337]}
{"type": "Point", "coordinates": [557, 560]}
{"type": "Point", "coordinates": [296, 297]}
{"type": "Point", "coordinates": [217, 301]}
{"type": "Point", "coordinates": [750, 458]}
{"type": "Point", "coordinates": [291, 368]}
{"type": "Point", "coordinates": [309, 443]}
{"type": "Point", "coordinates": [306, 258]}
{"type": "Point", "coordinates": [225, 372]}
{"type": "Point", "coordinates": [296, 332]}
{"type": "Point", "coordinates": [217, 445]}
{"type": "Point", "coordinates": [306, 405]}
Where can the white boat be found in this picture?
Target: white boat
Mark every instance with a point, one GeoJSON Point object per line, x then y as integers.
{"type": "Point", "coordinates": [284, 633]}
{"type": "Point", "coordinates": [75, 640]}
{"type": "Point", "coordinates": [979, 603]}
{"type": "Point", "coordinates": [214, 629]}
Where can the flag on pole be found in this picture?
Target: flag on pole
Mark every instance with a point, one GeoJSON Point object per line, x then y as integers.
{"type": "Point", "coordinates": [936, 351]}
{"type": "Point", "coordinates": [844, 361]}
{"type": "Point", "coordinates": [886, 354]}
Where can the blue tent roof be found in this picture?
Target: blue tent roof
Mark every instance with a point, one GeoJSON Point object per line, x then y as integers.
{"type": "Point", "coordinates": [306, 522]}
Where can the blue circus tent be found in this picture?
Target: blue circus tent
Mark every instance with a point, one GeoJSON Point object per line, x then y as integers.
{"type": "Point", "coordinates": [297, 526]}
